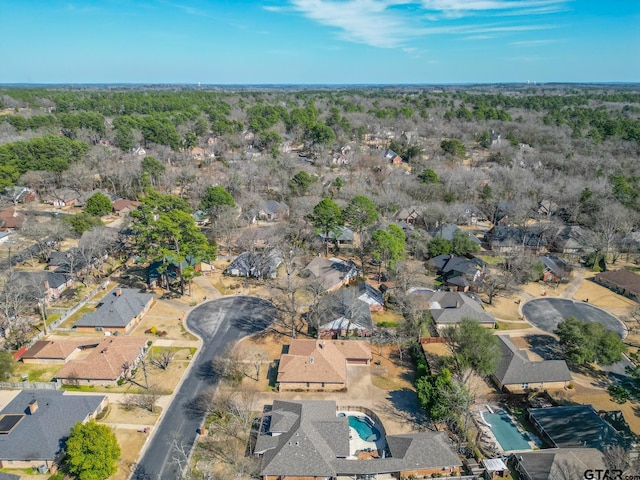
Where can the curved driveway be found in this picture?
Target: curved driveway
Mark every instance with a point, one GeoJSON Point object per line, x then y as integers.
{"type": "Point", "coordinates": [547, 313]}
{"type": "Point", "coordinates": [219, 323]}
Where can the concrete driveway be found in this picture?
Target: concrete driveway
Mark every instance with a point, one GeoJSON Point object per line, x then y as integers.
{"type": "Point", "coordinates": [218, 323]}
{"type": "Point", "coordinates": [547, 313]}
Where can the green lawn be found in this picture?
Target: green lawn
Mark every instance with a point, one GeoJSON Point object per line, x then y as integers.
{"type": "Point", "coordinates": [69, 322]}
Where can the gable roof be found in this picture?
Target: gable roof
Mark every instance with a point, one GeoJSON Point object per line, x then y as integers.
{"type": "Point", "coordinates": [316, 443]}
{"type": "Point", "coordinates": [303, 450]}
{"type": "Point", "coordinates": [257, 265]}
{"type": "Point", "coordinates": [343, 234]}
{"type": "Point", "coordinates": [105, 362]}
{"type": "Point", "coordinates": [575, 426]}
{"type": "Point", "coordinates": [556, 265]}
{"type": "Point", "coordinates": [559, 462]}
{"type": "Point", "coordinates": [330, 272]}
{"type": "Point", "coordinates": [56, 349]}
{"type": "Point", "coordinates": [116, 310]}
{"type": "Point", "coordinates": [37, 437]}
{"type": "Point", "coordinates": [123, 203]}
{"type": "Point", "coordinates": [317, 361]}
{"type": "Point", "coordinates": [448, 230]}
{"type": "Point", "coordinates": [369, 294]}
{"type": "Point", "coordinates": [273, 207]}
{"type": "Point", "coordinates": [37, 279]}
{"type": "Point", "coordinates": [343, 310]}
{"type": "Point", "coordinates": [624, 279]}
{"type": "Point", "coordinates": [515, 368]}
{"type": "Point", "coordinates": [11, 218]}
{"type": "Point", "coordinates": [451, 307]}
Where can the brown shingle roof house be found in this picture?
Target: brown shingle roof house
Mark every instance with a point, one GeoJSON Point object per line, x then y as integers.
{"type": "Point", "coordinates": [320, 364]}
{"type": "Point", "coordinates": [56, 351]}
{"type": "Point", "coordinates": [105, 363]}
{"type": "Point", "coordinates": [623, 282]}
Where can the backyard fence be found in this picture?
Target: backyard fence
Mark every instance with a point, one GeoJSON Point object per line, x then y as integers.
{"type": "Point", "coordinates": [29, 386]}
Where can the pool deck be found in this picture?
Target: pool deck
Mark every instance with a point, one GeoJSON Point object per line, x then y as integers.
{"type": "Point", "coordinates": [488, 437]}
{"type": "Point", "coordinates": [357, 445]}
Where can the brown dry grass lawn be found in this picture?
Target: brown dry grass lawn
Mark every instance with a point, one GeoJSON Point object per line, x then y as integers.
{"type": "Point", "coordinates": [167, 317]}
{"type": "Point", "coordinates": [137, 416]}
{"type": "Point", "coordinates": [603, 297]}
{"type": "Point", "coordinates": [504, 308]}
{"type": "Point", "coordinates": [131, 442]}
{"type": "Point", "coordinates": [391, 373]}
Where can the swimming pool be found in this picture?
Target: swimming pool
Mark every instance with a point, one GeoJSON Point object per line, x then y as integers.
{"type": "Point", "coordinates": [366, 432]}
{"type": "Point", "coordinates": [505, 431]}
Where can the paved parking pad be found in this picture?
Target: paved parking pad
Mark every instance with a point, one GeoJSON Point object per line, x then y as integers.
{"type": "Point", "coordinates": [547, 313]}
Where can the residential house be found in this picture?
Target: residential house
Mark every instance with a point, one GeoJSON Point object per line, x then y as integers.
{"type": "Point", "coordinates": [560, 463]}
{"type": "Point", "coordinates": [11, 219]}
{"type": "Point", "coordinates": [123, 207]}
{"type": "Point", "coordinates": [61, 198]}
{"type": "Point", "coordinates": [460, 274]}
{"type": "Point", "coordinates": [273, 211]}
{"type": "Point", "coordinates": [255, 264]}
{"type": "Point", "coordinates": [329, 273]}
{"type": "Point", "coordinates": [623, 282]}
{"type": "Point", "coordinates": [571, 240]}
{"type": "Point", "coordinates": [56, 351]}
{"type": "Point", "coordinates": [392, 157]}
{"type": "Point", "coordinates": [71, 262]}
{"type": "Point", "coordinates": [449, 308]}
{"type": "Point", "coordinates": [469, 214]}
{"type": "Point", "coordinates": [547, 208]}
{"type": "Point", "coordinates": [408, 215]}
{"type": "Point", "coordinates": [46, 285]}
{"type": "Point", "coordinates": [555, 269]}
{"type": "Point", "coordinates": [5, 236]}
{"type": "Point", "coordinates": [515, 373]}
{"type": "Point", "coordinates": [35, 423]}
{"type": "Point", "coordinates": [110, 360]}
{"type": "Point", "coordinates": [171, 269]}
{"type": "Point", "coordinates": [342, 238]}
{"type": "Point", "coordinates": [371, 296]}
{"type": "Point", "coordinates": [320, 364]}
{"type": "Point", "coordinates": [449, 230]}
{"type": "Point", "coordinates": [19, 194]}
{"type": "Point", "coordinates": [119, 311]}
{"type": "Point", "coordinates": [505, 239]}
{"type": "Point", "coordinates": [575, 426]}
{"type": "Point", "coordinates": [139, 151]}
{"type": "Point", "coordinates": [342, 314]}
{"type": "Point", "coordinates": [307, 440]}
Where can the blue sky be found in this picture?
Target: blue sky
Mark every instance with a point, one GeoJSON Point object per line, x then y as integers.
{"type": "Point", "coordinates": [319, 41]}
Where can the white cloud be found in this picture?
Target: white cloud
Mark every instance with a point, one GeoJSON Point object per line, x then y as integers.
{"type": "Point", "coordinates": [363, 21]}
{"type": "Point", "coordinates": [395, 23]}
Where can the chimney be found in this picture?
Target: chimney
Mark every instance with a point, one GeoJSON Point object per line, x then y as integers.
{"type": "Point", "coordinates": [33, 406]}
{"type": "Point", "coordinates": [118, 292]}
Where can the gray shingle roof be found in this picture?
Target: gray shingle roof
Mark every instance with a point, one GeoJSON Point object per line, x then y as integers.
{"type": "Point", "coordinates": [38, 436]}
{"type": "Point", "coordinates": [515, 368]}
{"type": "Point", "coordinates": [343, 308]}
{"type": "Point", "coordinates": [257, 265]}
{"type": "Point", "coordinates": [117, 310]}
{"type": "Point", "coordinates": [576, 426]}
{"type": "Point", "coordinates": [318, 442]}
{"type": "Point", "coordinates": [452, 307]}
{"type": "Point", "coordinates": [559, 462]}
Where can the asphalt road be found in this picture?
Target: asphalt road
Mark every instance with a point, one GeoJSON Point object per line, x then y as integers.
{"type": "Point", "coordinates": [547, 313]}
{"type": "Point", "coordinates": [219, 323]}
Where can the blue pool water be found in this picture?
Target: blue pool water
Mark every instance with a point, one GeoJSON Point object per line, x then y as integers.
{"type": "Point", "coordinates": [365, 431]}
{"type": "Point", "coordinates": [507, 434]}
